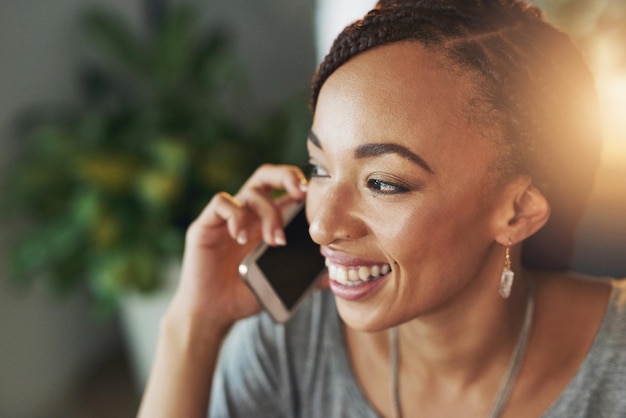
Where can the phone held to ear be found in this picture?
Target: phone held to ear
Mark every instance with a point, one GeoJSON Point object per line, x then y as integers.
{"type": "Point", "coordinates": [282, 277]}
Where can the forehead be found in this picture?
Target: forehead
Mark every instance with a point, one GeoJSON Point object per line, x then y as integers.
{"type": "Point", "coordinates": [404, 79]}
{"type": "Point", "coordinates": [403, 93]}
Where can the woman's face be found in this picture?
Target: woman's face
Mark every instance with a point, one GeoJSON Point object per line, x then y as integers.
{"type": "Point", "coordinates": [403, 195]}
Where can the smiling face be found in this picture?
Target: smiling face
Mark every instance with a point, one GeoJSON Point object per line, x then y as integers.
{"type": "Point", "coordinates": [403, 196]}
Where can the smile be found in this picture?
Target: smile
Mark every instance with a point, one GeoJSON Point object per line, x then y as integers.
{"type": "Point", "coordinates": [354, 276]}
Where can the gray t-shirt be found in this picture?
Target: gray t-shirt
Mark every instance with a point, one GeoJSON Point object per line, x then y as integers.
{"type": "Point", "coordinates": [302, 368]}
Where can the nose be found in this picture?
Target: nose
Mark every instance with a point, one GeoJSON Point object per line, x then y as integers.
{"type": "Point", "coordinates": [333, 215]}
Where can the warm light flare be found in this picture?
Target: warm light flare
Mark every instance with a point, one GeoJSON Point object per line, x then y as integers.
{"type": "Point", "coordinates": [607, 59]}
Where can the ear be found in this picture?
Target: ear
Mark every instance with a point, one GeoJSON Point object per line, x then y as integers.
{"type": "Point", "coordinates": [527, 212]}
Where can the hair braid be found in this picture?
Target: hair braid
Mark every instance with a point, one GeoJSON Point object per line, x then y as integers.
{"type": "Point", "coordinates": [534, 91]}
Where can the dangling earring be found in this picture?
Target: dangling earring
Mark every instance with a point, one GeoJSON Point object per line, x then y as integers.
{"type": "Point", "coordinates": [506, 280]}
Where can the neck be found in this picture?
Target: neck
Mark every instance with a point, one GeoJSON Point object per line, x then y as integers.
{"type": "Point", "coordinates": [469, 340]}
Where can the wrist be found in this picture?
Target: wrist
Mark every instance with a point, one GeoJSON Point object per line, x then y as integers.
{"type": "Point", "coordinates": [182, 372]}
{"type": "Point", "coordinates": [191, 332]}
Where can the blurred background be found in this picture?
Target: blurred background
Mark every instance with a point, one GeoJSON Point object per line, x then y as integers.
{"type": "Point", "coordinates": [119, 121]}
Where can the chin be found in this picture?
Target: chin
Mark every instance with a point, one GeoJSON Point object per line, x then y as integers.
{"type": "Point", "coordinates": [360, 317]}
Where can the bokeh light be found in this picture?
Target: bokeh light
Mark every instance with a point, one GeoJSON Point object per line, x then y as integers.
{"type": "Point", "coordinates": [607, 60]}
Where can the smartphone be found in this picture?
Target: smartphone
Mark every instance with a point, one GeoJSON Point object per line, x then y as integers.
{"type": "Point", "coordinates": [282, 277]}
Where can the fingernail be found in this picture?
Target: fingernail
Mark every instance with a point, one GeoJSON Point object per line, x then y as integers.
{"type": "Point", "coordinates": [279, 238]}
{"type": "Point", "coordinates": [303, 186]}
{"type": "Point", "coordinates": [242, 238]}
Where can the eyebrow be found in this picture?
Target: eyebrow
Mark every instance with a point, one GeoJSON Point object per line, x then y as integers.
{"type": "Point", "coordinates": [375, 150]}
{"type": "Point", "coordinates": [314, 139]}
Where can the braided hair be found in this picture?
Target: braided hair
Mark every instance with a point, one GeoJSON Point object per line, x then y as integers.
{"type": "Point", "coordinates": [534, 91]}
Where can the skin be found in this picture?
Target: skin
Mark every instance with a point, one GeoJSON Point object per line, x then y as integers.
{"type": "Point", "coordinates": [434, 225]}
{"type": "Point", "coordinates": [443, 232]}
{"type": "Point", "coordinates": [430, 206]}
{"type": "Point", "coordinates": [210, 296]}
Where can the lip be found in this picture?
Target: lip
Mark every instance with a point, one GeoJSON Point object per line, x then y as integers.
{"type": "Point", "coordinates": [354, 292]}
{"type": "Point", "coordinates": [346, 260]}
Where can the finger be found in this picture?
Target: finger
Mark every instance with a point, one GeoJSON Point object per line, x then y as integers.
{"type": "Point", "coordinates": [222, 210]}
{"type": "Point", "coordinates": [268, 178]}
{"type": "Point", "coordinates": [270, 216]}
{"type": "Point", "coordinates": [258, 191]}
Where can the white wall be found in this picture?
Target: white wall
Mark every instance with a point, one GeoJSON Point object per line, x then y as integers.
{"type": "Point", "coordinates": [332, 16]}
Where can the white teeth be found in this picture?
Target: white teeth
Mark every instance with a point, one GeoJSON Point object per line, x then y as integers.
{"type": "Point", "coordinates": [355, 276]}
{"type": "Point", "coordinates": [375, 271]}
{"type": "Point", "coordinates": [341, 275]}
{"type": "Point", "coordinates": [332, 270]}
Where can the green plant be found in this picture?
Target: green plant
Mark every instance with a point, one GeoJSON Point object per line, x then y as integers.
{"type": "Point", "coordinates": [105, 190]}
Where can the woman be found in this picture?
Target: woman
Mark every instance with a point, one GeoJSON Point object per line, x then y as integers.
{"type": "Point", "coordinates": [452, 149]}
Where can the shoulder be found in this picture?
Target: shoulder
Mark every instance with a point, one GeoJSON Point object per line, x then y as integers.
{"type": "Point", "coordinates": [614, 324]}
{"type": "Point", "coordinates": [581, 299]}
{"type": "Point", "coordinates": [595, 319]}
{"type": "Point", "coordinates": [564, 299]}
{"type": "Point", "coordinates": [574, 311]}
{"type": "Point", "coordinates": [572, 297]}
{"type": "Point", "coordinates": [619, 297]}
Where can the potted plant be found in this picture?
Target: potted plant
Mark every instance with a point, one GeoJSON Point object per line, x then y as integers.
{"type": "Point", "coordinates": [103, 191]}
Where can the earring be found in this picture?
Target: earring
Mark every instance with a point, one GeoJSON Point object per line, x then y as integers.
{"type": "Point", "coordinates": [506, 280]}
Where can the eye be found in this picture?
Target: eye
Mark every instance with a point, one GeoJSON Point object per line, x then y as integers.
{"type": "Point", "coordinates": [384, 187]}
{"type": "Point", "coordinates": [316, 171]}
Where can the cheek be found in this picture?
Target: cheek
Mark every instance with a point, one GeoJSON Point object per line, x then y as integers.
{"type": "Point", "coordinates": [440, 239]}
{"type": "Point", "coordinates": [401, 233]}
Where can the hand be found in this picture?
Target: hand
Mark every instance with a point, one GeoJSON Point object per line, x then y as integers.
{"type": "Point", "coordinates": [210, 295]}
{"type": "Point", "coordinates": [225, 232]}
